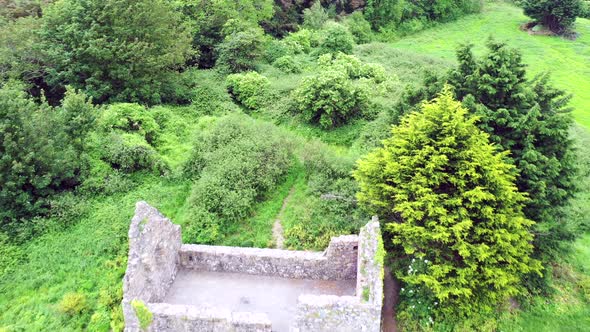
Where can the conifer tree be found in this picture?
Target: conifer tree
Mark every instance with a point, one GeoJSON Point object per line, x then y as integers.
{"type": "Point", "coordinates": [449, 200]}
{"type": "Point", "coordinates": [531, 120]}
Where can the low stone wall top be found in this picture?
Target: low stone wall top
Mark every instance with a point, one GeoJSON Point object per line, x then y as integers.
{"type": "Point", "coordinates": [172, 317]}
{"type": "Point", "coordinates": [319, 313]}
{"type": "Point", "coordinates": [338, 262]}
{"type": "Point", "coordinates": [327, 313]}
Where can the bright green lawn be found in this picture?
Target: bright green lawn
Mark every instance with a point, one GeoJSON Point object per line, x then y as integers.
{"type": "Point", "coordinates": [567, 60]}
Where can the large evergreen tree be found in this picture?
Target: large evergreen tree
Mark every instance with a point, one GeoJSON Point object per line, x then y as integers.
{"type": "Point", "coordinates": [449, 200]}
{"type": "Point", "coordinates": [531, 120]}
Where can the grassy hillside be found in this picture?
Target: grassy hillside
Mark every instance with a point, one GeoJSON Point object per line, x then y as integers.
{"type": "Point", "coordinates": [567, 60]}
{"type": "Point", "coordinates": [88, 259]}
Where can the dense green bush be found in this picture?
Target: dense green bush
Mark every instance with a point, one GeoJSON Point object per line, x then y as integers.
{"type": "Point", "coordinates": [240, 51]}
{"type": "Point", "coordinates": [353, 66]}
{"type": "Point", "coordinates": [555, 15]}
{"type": "Point", "coordinates": [383, 12]}
{"type": "Point", "coordinates": [73, 303]}
{"type": "Point", "coordinates": [276, 49]}
{"type": "Point", "coordinates": [440, 10]}
{"type": "Point", "coordinates": [112, 49]}
{"type": "Point", "coordinates": [315, 16]}
{"type": "Point", "coordinates": [359, 27]}
{"type": "Point", "coordinates": [210, 97]}
{"type": "Point", "coordinates": [130, 118]}
{"type": "Point", "coordinates": [334, 38]}
{"type": "Point", "coordinates": [305, 39]}
{"type": "Point", "coordinates": [209, 18]}
{"type": "Point", "coordinates": [41, 151]}
{"type": "Point", "coordinates": [398, 17]}
{"type": "Point", "coordinates": [288, 64]}
{"type": "Point", "coordinates": [453, 213]}
{"type": "Point", "coordinates": [20, 56]}
{"type": "Point", "coordinates": [330, 99]}
{"type": "Point", "coordinates": [234, 164]}
{"type": "Point", "coordinates": [130, 153]}
{"type": "Point", "coordinates": [249, 89]}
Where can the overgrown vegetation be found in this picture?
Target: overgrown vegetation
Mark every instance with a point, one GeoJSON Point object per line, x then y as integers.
{"type": "Point", "coordinates": [103, 104]}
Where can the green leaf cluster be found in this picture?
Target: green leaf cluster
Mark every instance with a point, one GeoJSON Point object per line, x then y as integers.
{"type": "Point", "coordinates": [329, 98]}
{"type": "Point", "coordinates": [449, 199]}
{"type": "Point", "coordinates": [334, 38]}
{"type": "Point", "coordinates": [41, 151]}
{"type": "Point", "coordinates": [239, 51]}
{"type": "Point", "coordinates": [249, 89]}
{"type": "Point", "coordinates": [208, 19]}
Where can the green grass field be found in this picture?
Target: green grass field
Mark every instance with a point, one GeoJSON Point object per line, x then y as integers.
{"type": "Point", "coordinates": [567, 60]}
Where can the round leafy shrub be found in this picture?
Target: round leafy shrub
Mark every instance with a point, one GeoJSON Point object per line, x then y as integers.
{"type": "Point", "coordinates": [288, 64]}
{"type": "Point", "coordinates": [130, 118]}
{"type": "Point", "coordinates": [276, 49]}
{"type": "Point", "coordinates": [329, 99]}
{"type": "Point", "coordinates": [73, 303]}
{"type": "Point", "coordinates": [353, 66]}
{"type": "Point", "coordinates": [304, 39]}
{"type": "Point", "coordinates": [335, 38]}
{"type": "Point", "coordinates": [249, 89]}
{"type": "Point", "coordinates": [130, 153]}
{"type": "Point", "coordinates": [240, 51]}
{"type": "Point", "coordinates": [359, 27]}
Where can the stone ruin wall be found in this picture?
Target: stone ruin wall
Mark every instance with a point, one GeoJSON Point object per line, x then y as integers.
{"type": "Point", "coordinates": [154, 243]}
{"type": "Point", "coordinates": [358, 313]}
{"type": "Point", "coordinates": [156, 253]}
{"type": "Point", "coordinates": [338, 262]}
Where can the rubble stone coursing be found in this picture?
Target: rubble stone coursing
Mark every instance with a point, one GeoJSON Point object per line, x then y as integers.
{"type": "Point", "coordinates": [349, 313]}
{"type": "Point", "coordinates": [156, 254]}
{"type": "Point", "coordinates": [153, 260]}
{"type": "Point", "coordinates": [173, 317]}
{"type": "Point", "coordinates": [338, 262]}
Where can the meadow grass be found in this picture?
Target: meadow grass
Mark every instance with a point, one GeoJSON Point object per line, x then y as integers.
{"type": "Point", "coordinates": [89, 257]}
{"type": "Point", "coordinates": [568, 61]}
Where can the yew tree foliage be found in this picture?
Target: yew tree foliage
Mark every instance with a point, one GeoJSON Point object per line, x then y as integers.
{"type": "Point", "coordinates": [557, 15]}
{"type": "Point", "coordinates": [114, 49]}
{"type": "Point", "coordinates": [450, 200]}
{"type": "Point", "coordinates": [531, 120]}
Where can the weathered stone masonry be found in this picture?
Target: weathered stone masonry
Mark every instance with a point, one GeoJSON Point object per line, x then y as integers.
{"type": "Point", "coordinates": [156, 254]}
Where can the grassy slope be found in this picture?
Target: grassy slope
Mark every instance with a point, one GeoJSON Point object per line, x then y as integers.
{"type": "Point", "coordinates": [568, 61]}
